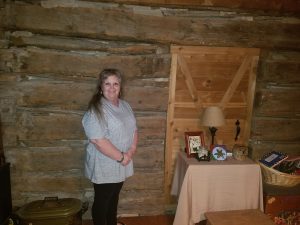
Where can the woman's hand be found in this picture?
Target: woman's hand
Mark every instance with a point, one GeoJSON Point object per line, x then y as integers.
{"type": "Point", "coordinates": [126, 160]}
{"type": "Point", "coordinates": [131, 152]}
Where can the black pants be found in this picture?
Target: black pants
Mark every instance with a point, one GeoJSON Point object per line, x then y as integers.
{"type": "Point", "coordinates": [105, 206]}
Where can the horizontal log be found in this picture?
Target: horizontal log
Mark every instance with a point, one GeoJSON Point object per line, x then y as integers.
{"type": "Point", "coordinates": [53, 95]}
{"type": "Point", "coordinates": [279, 68]}
{"type": "Point", "coordinates": [54, 92]}
{"type": "Point", "coordinates": [72, 157]}
{"type": "Point", "coordinates": [70, 95]}
{"type": "Point", "coordinates": [40, 183]}
{"type": "Point", "coordinates": [50, 125]}
{"type": "Point", "coordinates": [259, 148]}
{"type": "Point", "coordinates": [30, 160]}
{"type": "Point", "coordinates": [279, 55]}
{"type": "Point", "coordinates": [9, 134]}
{"type": "Point", "coordinates": [8, 78]}
{"type": "Point", "coordinates": [33, 125]}
{"type": "Point", "coordinates": [278, 102]}
{"type": "Point", "coordinates": [147, 98]}
{"type": "Point", "coordinates": [3, 43]}
{"type": "Point", "coordinates": [23, 39]}
{"type": "Point", "coordinates": [145, 180]}
{"type": "Point", "coordinates": [35, 163]}
{"type": "Point", "coordinates": [151, 129]}
{"type": "Point", "coordinates": [7, 108]}
{"type": "Point", "coordinates": [141, 202]}
{"type": "Point", "coordinates": [129, 23]}
{"type": "Point", "coordinates": [68, 184]}
{"type": "Point", "coordinates": [269, 5]}
{"type": "Point", "coordinates": [277, 130]}
{"type": "Point", "coordinates": [6, 57]}
{"type": "Point", "coordinates": [34, 60]}
{"type": "Point", "coordinates": [149, 157]}
{"type": "Point", "coordinates": [149, 139]}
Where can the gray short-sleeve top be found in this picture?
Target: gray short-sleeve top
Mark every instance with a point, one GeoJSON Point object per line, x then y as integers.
{"type": "Point", "coordinates": [118, 126]}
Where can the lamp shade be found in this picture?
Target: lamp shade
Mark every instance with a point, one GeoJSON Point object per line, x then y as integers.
{"type": "Point", "coordinates": [213, 117]}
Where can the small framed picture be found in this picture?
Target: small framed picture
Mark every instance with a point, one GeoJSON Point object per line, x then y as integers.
{"type": "Point", "coordinates": [194, 141]}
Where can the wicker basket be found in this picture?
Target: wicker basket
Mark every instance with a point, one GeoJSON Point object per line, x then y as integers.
{"type": "Point", "coordinates": [275, 177]}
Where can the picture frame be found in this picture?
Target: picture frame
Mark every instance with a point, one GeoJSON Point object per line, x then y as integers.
{"type": "Point", "coordinates": [193, 142]}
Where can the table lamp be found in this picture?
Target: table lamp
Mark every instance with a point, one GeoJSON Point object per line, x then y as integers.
{"type": "Point", "coordinates": [213, 117]}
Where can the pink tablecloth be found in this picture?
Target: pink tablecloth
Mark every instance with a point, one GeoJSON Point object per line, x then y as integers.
{"type": "Point", "coordinates": [214, 186]}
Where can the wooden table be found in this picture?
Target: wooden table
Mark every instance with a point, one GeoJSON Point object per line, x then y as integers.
{"type": "Point", "coordinates": [238, 217]}
{"type": "Point", "coordinates": [214, 186]}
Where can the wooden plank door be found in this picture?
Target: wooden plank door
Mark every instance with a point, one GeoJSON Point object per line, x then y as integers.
{"type": "Point", "coordinates": [208, 76]}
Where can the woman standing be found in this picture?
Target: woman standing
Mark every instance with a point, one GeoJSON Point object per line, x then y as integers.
{"type": "Point", "coordinates": [110, 126]}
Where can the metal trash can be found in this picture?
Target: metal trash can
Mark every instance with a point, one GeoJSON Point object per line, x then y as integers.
{"type": "Point", "coordinates": [52, 211]}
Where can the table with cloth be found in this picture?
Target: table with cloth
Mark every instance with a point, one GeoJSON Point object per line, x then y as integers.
{"type": "Point", "coordinates": [214, 186]}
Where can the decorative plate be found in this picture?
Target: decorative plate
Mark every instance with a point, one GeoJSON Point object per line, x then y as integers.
{"type": "Point", "coordinates": [219, 152]}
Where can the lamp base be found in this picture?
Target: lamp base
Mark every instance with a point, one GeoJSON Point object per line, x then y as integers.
{"type": "Point", "coordinates": [213, 131]}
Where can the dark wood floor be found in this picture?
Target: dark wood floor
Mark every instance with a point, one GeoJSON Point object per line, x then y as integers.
{"type": "Point", "coordinates": [143, 220]}
{"type": "Point", "coordinates": [146, 220]}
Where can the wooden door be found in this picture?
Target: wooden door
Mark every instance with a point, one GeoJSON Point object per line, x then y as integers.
{"type": "Point", "coordinates": [208, 76]}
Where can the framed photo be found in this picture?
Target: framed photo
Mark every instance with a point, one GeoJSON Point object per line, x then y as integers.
{"type": "Point", "coordinates": [194, 141]}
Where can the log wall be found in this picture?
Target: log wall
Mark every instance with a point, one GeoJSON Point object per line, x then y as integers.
{"type": "Point", "coordinates": [52, 51]}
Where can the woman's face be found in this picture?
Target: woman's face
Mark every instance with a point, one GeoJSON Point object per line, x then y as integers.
{"type": "Point", "coordinates": [111, 88]}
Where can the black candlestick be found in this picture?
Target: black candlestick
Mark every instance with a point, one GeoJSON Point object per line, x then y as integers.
{"type": "Point", "coordinates": [238, 130]}
{"type": "Point", "coordinates": [213, 134]}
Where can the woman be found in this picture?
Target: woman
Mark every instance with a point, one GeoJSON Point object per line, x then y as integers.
{"type": "Point", "coordinates": [110, 126]}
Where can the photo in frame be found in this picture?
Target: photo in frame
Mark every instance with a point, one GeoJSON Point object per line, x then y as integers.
{"type": "Point", "coordinates": [194, 141]}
